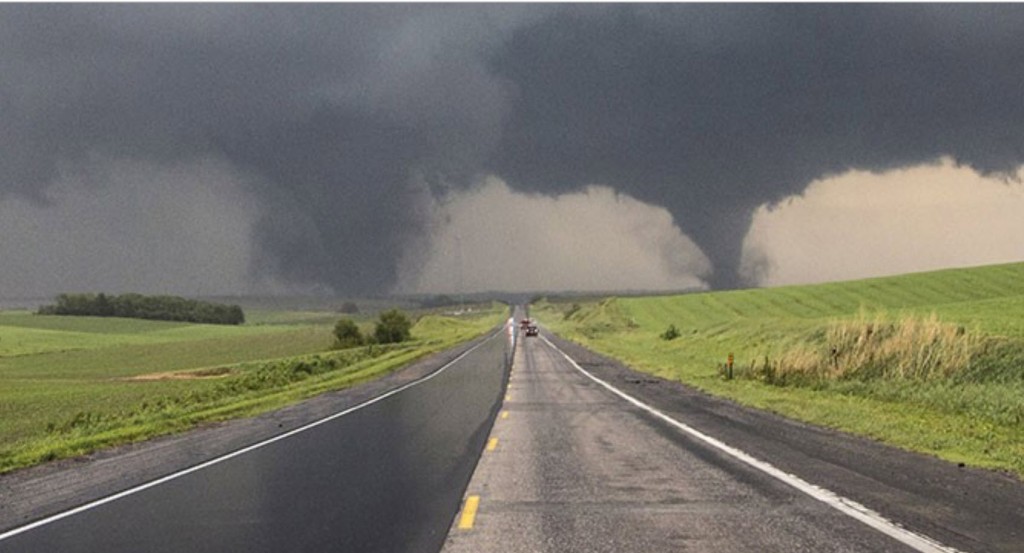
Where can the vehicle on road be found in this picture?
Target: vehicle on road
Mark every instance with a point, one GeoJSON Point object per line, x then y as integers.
{"type": "Point", "coordinates": [532, 330]}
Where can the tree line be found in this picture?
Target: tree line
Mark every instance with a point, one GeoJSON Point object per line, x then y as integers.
{"type": "Point", "coordinates": [137, 306]}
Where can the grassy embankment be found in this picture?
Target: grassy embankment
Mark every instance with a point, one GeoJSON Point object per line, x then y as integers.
{"type": "Point", "coordinates": [932, 362]}
{"type": "Point", "coordinates": [71, 385]}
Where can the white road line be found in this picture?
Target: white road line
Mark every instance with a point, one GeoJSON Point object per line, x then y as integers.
{"type": "Point", "coordinates": [236, 453]}
{"type": "Point", "coordinates": [849, 507]}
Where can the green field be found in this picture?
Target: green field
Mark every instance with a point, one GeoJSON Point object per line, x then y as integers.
{"type": "Point", "coordinates": [932, 362]}
{"type": "Point", "coordinates": [70, 385]}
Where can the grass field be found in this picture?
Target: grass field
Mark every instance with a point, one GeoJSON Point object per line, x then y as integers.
{"type": "Point", "coordinates": [70, 385]}
{"type": "Point", "coordinates": [932, 362]}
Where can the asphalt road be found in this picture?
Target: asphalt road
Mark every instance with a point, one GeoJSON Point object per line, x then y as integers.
{"type": "Point", "coordinates": [571, 466]}
{"type": "Point", "coordinates": [567, 465]}
{"type": "Point", "coordinates": [386, 477]}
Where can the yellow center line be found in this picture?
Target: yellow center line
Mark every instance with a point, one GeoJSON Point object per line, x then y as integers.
{"type": "Point", "coordinates": [492, 443]}
{"type": "Point", "coordinates": [469, 512]}
{"type": "Point", "coordinates": [504, 414]}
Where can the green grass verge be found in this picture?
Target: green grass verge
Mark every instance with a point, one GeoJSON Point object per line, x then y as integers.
{"type": "Point", "coordinates": [932, 362]}
{"type": "Point", "coordinates": [62, 402]}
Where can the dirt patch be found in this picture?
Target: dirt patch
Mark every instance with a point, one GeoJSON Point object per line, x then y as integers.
{"type": "Point", "coordinates": [201, 374]}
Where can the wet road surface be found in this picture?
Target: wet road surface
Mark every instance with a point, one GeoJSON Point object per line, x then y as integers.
{"type": "Point", "coordinates": [387, 477]}
{"type": "Point", "coordinates": [571, 467]}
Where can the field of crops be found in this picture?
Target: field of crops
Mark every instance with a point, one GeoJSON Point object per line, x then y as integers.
{"type": "Point", "coordinates": [69, 385]}
{"type": "Point", "coordinates": [932, 361]}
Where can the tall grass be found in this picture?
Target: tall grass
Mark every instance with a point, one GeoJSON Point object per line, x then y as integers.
{"type": "Point", "coordinates": [877, 346]}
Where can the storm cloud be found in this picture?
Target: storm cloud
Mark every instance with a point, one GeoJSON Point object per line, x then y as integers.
{"type": "Point", "coordinates": [862, 224]}
{"type": "Point", "coordinates": [491, 238]}
{"type": "Point", "coordinates": [181, 228]}
{"type": "Point", "coordinates": [344, 123]}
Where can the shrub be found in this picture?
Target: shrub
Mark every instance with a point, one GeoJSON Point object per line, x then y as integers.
{"type": "Point", "coordinates": [347, 334]}
{"type": "Point", "coordinates": [671, 333]}
{"type": "Point", "coordinates": [393, 327]}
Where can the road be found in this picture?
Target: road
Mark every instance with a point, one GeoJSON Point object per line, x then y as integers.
{"type": "Point", "coordinates": [385, 477]}
{"type": "Point", "coordinates": [571, 466]}
{"type": "Point", "coordinates": [568, 464]}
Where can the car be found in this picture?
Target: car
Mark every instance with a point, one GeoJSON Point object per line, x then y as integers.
{"type": "Point", "coordinates": [532, 330]}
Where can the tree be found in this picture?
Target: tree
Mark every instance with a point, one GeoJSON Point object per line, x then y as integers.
{"type": "Point", "coordinates": [102, 306]}
{"type": "Point", "coordinates": [235, 315]}
{"type": "Point", "coordinates": [349, 307]}
{"type": "Point", "coordinates": [393, 327]}
{"type": "Point", "coordinates": [347, 334]}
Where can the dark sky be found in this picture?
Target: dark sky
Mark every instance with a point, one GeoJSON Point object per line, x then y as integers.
{"type": "Point", "coordinates": [337, 119]}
